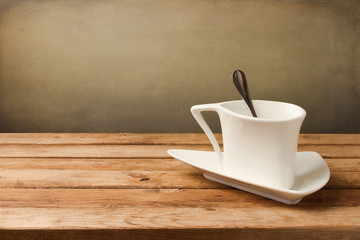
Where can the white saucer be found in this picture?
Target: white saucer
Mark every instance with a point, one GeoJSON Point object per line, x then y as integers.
{"type": "Point", "coordinates": [311, 174]}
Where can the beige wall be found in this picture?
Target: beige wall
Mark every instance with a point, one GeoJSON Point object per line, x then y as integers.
{"type": "Point", "coordinates": [138, 66]}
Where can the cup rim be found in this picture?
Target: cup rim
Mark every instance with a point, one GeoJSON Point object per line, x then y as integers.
{"type": "Point", "coordinates": [301, 115]}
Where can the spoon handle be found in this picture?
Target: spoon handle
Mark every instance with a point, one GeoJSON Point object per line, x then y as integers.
{"type": "Point", "coordinates": [241, 85]}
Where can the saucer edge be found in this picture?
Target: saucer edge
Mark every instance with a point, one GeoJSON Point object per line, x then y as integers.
{"type": "Point", "coordinates": [287, 196]}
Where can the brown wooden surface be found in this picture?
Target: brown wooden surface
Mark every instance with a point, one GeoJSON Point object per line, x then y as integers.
{"type": "Point", "coordinates": [124, 186]}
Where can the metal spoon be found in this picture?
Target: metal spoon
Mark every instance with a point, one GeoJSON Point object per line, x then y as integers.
{"type": "Point", "coordinates": [241, 85]}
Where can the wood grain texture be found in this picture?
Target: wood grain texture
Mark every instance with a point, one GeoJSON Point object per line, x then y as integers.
{"type": "Point", "coordinates": [164, 198]}
{"type": "Point", "coordinates": [192, 178]}
{"type": "Point", "coordinates": [121, 186]}
{"type": "Point", "coordinates": [150, 151]}
{"type": "Point", "coordinates": [129, 164]}
{"type": "Point", "coordinates": [155, 138]}
{"type": "Point", "coordinates": [175, 217]}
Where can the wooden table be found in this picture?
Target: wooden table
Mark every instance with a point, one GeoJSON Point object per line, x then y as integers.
{"type": "Point", "coordinates": [125, 186]}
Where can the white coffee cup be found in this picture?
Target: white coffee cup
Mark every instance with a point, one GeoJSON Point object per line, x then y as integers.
{"type": "Point", "coordinates": [259, 150]}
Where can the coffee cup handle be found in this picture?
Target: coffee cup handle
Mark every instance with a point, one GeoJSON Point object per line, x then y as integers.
{"type": "Point", "coordinates": [196, 112]}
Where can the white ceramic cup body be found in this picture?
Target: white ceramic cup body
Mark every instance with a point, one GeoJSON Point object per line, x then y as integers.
{"type": "Point", "coordinates": [259, 150]}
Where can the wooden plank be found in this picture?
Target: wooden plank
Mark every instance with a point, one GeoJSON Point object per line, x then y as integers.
{"type": "Point", "coordinates": [92, 151]}
{"type": "Point", "coordinates": [333, 151]}
{"type": "Point", "coordinates": [163, 198]}
{"type": "Point", "coordinates": [155, 138]}
{"type": "Point", "coordinates": [134, 164]}
{"type": "Point", "coordinates": [107, 138]}
{"type": "Point", "coordinates": [344, 180]}
{"type": "Point", "coordinates": [148, 151]}
{"type": "Point", "coordinates": [116, 217]}
{"type": "Point", "coordinates": [329, 139]}
{"type": "Point", "coordinates": [178, 211]}
{"type": "Point", "coordinates": [43, 178]}
{"type": "Point", "coordinates": [343, 165]}
{"type": "Point", "coordinates": [128, 188]}
{"type": "Point", "coordinates": [101, 164]}
{"type": "Point", "coordinates": [192, 178]}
